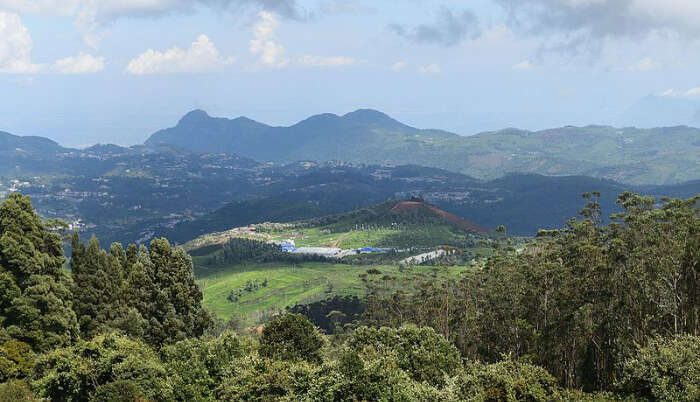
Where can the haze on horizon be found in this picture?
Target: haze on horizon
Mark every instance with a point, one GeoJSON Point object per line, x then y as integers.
{"type": "Point", "coordinates": [82, 71]}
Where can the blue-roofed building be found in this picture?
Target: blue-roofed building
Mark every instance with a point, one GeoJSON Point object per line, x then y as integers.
{"type": "Point", "coordinates": [288, 247]}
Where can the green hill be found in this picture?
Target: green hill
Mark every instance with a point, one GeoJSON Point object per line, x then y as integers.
{"type": "Point", "coordinates": [629, 155]}
{"type": "Point", "coordinates": [410, 226]}
{"type": "Point", "coordinates": [244, 273]}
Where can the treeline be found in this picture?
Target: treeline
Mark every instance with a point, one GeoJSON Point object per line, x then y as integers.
{"type": "Point", "coordinates": [146, 293]}
{"type": "Point", "coordinates": [292, 361]}
{"type": "Point", "coordinates": [578, 301]}
{"type": "Point", "coordinates": [241, 250]}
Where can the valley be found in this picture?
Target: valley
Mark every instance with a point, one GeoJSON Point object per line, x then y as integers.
{"type": "Point", "coordinates": [349, 201]}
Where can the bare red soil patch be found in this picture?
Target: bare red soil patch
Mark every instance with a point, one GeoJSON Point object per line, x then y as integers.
{"type": "Point", "coordinates": [462, 223]}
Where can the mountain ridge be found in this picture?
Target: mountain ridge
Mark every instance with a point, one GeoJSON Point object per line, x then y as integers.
{"type": "Point", "coordinates": [636, 156]}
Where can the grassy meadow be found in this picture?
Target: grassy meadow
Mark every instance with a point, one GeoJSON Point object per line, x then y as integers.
{"type": "Point", "coordinates": [290, 284]}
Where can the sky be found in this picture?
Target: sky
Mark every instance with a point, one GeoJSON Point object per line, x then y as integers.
{"type": "Point", "coordinates": [115, 71]}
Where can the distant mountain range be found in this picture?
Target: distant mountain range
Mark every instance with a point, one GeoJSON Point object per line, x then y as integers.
{"type": "Point", "coordinates": [137, 193]}
{"type": "Point", "coordinates": [634, 156]}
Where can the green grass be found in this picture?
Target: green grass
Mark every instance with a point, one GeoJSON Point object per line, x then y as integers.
{"type": "Point", "coordinates": [366, 238]}
{"type": "Point", "coordinates": [289, 284]}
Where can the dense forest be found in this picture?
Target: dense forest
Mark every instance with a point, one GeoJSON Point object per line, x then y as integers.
{"type": "Point", "coordinates": [238, 250]}
{"type": "Point", "coordinates": [599, 310]}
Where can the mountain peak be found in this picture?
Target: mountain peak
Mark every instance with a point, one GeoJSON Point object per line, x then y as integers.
{"type": "Point", "coordinates": [368, 116]}
{"type": "Point", "coordinates": [194, 116]}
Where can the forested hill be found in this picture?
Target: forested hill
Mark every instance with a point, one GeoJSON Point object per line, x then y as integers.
{"type": "Point", "coordinates": [29, 144]}
{"type": "Point", "coordinates": [629, 155]}
{"type": "Point", "coordinates": [524, 203]}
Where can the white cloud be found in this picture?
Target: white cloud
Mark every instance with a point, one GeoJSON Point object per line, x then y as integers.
{"type": "Point", "coordinates": [90, 15]}
{"type": "Point", "coordinates": [263, 45]}
{"type": "Point", "coordinates": [319, 61]}
{"type": "Point", "coordinates": [399, 65]}
{"type": "Point", "coordinates": [430, 69]}
{"type": "Point", "coordinates": [15, 46]}
{"type": "Point", "coordinates": [83, 63]}
{"type": "Point", "coordinates": [201, 57]}
{"type": "Point", "coordinates": [692, 92]}
{"type": "Point", "coordinates": [645, 64]}
{"type": "Point", "coordinates": [523, 65]}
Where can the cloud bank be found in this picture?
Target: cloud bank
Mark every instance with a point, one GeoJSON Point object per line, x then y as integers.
{"type": "Point", "coordinates": [83, 63]}
{"type": "Point", "coordinates": [201, 57]}
{"type": "Point", "coordinates": [15, 46]}
{"type": "Point", "coordinates": [90, 15]}
{"type": "Point", "coordinates": [585, 25]}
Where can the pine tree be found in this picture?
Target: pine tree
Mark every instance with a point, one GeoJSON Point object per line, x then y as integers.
{"type": "Point", "coordinates": [35, 293]}
{"type": "Point", "coordinates": [98, 284]}
{"type": "Point", "coordinates": [176, 310]}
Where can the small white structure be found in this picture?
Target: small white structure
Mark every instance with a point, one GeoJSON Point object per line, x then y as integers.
{"type": "Point", "coordinates": [330, 252]}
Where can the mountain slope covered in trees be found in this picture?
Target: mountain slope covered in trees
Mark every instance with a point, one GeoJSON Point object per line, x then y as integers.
{"type": "Point", "coordinates": [629, 155]}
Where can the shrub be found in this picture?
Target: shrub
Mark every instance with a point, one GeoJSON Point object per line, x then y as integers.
{"type": "Point", "coordinates": [16, 360]}
{"type": "Point", "coordinates": [291, 337]}
{"type": "Point", "coordinates": [197, 366]}
{"type": "Point", "coordinates": [119, 391]}
{"type": "Point", "coordinates": [16, 391]}
{"type": "Point", "coordinates": [665, 370]}
{"type": "Point", "coordinates": [422, 353]}
{"type": "Point", "coordinates": [262, 379]}
{"type": "Point", "coordinates": [369, 376]}
{"type": "Point", "coordinates": [506, 381]}
{"type": "Point", "coordinates": [74, 373]}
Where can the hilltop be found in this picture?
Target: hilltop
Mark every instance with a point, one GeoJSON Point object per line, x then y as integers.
{"type": "Point", "coordinates": [409, 225]}
{"type": "Point", "coordinates": [406, 206]}
{"type": "Point", "coordinates": [629, 155]}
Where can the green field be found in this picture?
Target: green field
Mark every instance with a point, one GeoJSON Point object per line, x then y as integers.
{"type": "Point", "coordinates": [289, 284]}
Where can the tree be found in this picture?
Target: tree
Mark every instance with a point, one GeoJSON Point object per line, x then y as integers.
{"type": "Point", "coordinates": [198, 366]}
{"type": "Point", "coordinates": [261, 379]}
{"type": "Point", "coordinates": [97, 286]}
{"type": "Point", "coordinates": [420, 352]}
{"type": "Point", "coordinates": [667, 369]}
{"type": "Point", "coordinates": [35, 295]}
{"type": "Point", "coordinates": [291, 337]}
{"type": "Point", "coordinates": [16, 360]}
{"type": "Point", "coordinates": [147, 294]}
{"type": "Point", "coordinates": [174, 310]}
{"type": "Point", "coordinates": [578, 300]}
{"type": "Point", "coordinates": [371, 373]}
{"type": "Point", "coordinates": [78, 372]}
{"type": "Point", "coordinates": [506, 381]}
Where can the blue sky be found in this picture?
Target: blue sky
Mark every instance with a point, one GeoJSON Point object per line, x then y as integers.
{"type": "Point", "coordinates": [87, 71]}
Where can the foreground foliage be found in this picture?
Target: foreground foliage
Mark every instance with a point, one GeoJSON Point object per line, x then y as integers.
{"type": "Point", "coordinates": [586, 309]}
{"type": "Point", "coordinates": [578, 301]}
{"type": "Point", "coordinates": [150, 294]}
{"type": "Point", "coordinates": [35, 293]}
